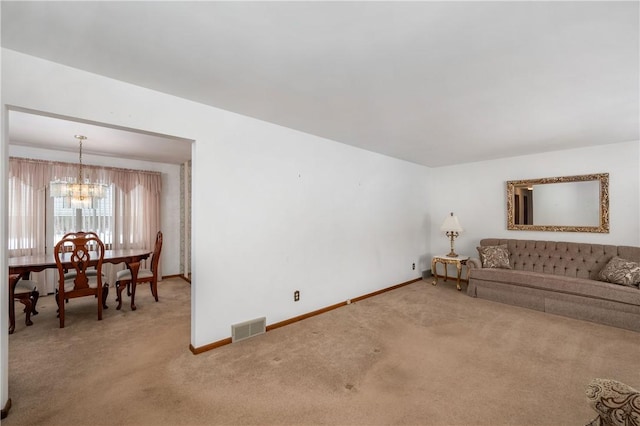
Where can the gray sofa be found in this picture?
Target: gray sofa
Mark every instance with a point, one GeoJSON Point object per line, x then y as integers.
{"type": "Point", "coordinates": [562, 278]}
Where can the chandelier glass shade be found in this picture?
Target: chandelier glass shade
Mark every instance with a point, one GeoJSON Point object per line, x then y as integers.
{"type": "Point", "coordinates": [78, 193]}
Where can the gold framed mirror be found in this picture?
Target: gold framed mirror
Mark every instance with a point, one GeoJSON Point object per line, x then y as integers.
{"type": "Point", "coordinates": [559, 204]}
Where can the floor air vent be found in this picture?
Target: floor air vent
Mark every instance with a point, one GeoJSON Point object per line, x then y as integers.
{"type": "Point", "coordinates": [247, 329]}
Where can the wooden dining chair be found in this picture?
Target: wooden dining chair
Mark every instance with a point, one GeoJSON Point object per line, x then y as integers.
{"type": "Point", "coordinates": [26, 292]}
{"type": "Point", "coordinates": [123, 278]}
{"type": "Point", "coordinates": [79, 257]}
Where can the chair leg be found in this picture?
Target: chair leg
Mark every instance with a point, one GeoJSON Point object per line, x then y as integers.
{"type": "Point", "coordinates": [100, 303]}
{"type": "Point", "coordinates": [120, 285]}
{"type": "Point", "coordinates": [29, 303]}
{"type": "Point", "coordinates": [28, 306]}
{"type": "Point", "coordinates": [13, 280]}
{"type": "Point", "coordinates": [35, 295]}
{"type": "Point", "coordinates": [12, 316]}
{"type": "Point", "coordinates": [105, 294]}
{"type": "Point", "coordinates": [154, 289]}
{"type": "Point", "coordinates": [61, 301]}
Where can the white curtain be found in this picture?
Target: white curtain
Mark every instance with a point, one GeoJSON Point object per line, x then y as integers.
{"type": "Point", "coordinates": [135, 215]}
{"type": "Point", "coordinates": [26, 212]}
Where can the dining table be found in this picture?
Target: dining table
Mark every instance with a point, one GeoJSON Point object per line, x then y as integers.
{"type": "Point", "coordinates": [23, 266]}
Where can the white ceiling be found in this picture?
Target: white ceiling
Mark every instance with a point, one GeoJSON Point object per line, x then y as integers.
{"type": "Point", "coordinates": [40, 131]}
{"type": "Point", "coordinates": [434, 83]}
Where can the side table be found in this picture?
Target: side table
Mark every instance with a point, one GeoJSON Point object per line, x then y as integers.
{"type": "Point", "coordinates": [445, 260]}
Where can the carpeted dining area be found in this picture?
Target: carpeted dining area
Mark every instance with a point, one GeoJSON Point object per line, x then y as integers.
{"type": "Point", "coordinates": [417, 355]}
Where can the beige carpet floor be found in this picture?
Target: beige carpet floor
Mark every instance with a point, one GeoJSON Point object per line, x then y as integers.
{"type": "Point", "coordinates": [418, 355]}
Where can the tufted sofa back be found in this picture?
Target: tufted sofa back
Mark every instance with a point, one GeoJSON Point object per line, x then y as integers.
{"type": "Point", "coordinates": [580, 260]}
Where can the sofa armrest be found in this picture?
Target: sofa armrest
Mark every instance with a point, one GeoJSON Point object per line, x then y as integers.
{"type": "Point", "coordinates": [615, 402]}
{"type": "Point", "coordinates": [474, 262]}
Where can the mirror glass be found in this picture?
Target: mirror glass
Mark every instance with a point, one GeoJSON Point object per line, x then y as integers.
{"type": "Point", "coordinates": [567, 203]}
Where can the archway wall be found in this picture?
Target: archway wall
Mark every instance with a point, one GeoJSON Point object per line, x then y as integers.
{"type": "Point", "coordinates": [274, 210]}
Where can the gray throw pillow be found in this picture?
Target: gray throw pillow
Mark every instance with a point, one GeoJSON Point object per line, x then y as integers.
{"type": "Point", "coordinates": [621, 271]}
{"type": "Point", "coordinates": [494, 256]}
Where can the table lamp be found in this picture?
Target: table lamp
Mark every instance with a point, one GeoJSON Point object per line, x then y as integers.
{"type": "Point", "coordinates": [451, 227]}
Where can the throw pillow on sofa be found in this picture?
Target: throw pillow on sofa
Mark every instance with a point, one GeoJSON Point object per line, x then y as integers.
{"type": "Point", "coordinates": [621, 271]}
{"type": "Point", "coordinates": [494, 256]}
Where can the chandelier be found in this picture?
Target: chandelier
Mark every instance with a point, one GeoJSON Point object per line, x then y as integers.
{"type": "Point", "coordinates": [78, 193]}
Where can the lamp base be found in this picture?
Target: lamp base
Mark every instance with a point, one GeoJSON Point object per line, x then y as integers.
{"type": "Point", "coordinates": [452, 235]}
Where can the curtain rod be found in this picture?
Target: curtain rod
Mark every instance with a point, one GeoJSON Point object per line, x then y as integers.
{"type": "Point", "coordinates": [63, 163]}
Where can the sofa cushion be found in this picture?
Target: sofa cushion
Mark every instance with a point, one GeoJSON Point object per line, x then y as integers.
{"type": "Point", "coordinates": [563, 284]}
{"type": "Point", "coordinates": [621, 271]}
{"type": "Point", "coordinates": [494, 256]}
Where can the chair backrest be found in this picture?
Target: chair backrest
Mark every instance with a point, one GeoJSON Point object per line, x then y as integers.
{"type": "Point", "coordinates": [81, 251]}
{"type": "Point", "coordinates": [155, 259]}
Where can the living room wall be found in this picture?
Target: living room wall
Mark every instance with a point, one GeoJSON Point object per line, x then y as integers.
{"type": "Point", "coordinates": [274, 210]}
{"type": "Point", "coordinates": [476, 192]}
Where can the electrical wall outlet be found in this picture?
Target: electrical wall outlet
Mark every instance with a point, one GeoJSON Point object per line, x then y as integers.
{"type": "Point", "coordinates": [413, 266]}
{"type": "Point", "coordinates": [296, 295]}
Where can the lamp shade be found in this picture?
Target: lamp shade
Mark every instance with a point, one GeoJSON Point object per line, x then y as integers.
{"type": "Point", "coordinates": [451, 224]}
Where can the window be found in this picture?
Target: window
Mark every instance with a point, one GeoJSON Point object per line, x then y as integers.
{"type": "Point", "coordinates": [98, 219]}
{"type": "Point", "coordinates": [127, 218]}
